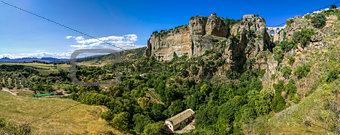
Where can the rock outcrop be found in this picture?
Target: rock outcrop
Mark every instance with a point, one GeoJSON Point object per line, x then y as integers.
{"type": "Point", "coordinates": [163, 44]}
{"type": "Point", "coordinates": [204, 33]}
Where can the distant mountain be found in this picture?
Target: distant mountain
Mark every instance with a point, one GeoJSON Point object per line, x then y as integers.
{"type": "Point", "coordinates": [31, 59]}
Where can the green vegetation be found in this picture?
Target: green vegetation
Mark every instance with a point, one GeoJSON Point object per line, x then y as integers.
{"type": "Point", "coordinates": [278, 53]}
{"type": "Point", "coordinates": [303, 37]}
{"type": "Point", "coordinates": [291, 60]}
{"type": "Point", "coordinates": [289, 21]}
{"type": "Point", "coordinates": [319, 20]}
{"type": "Point", "coordinates": [302, 71]}
{"type": "Point", "coordinates": [286, 71]}
{"type": "Point", "coordinates": [333, 7]}
{"type": "Point", "coordinates": [332, 75]}
{"type": "Point", "coordinates": [14, 128]}
{"type": "Point", "coordinates": [287, 45]}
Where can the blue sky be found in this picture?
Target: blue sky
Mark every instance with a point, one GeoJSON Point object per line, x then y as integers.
{"type": "Point", "coordinates": [126, 23]}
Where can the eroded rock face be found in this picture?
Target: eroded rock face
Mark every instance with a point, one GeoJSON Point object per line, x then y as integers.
{"type": "Point", "coordinates": [249, 38]}
{"type": "Point", "coordinates": [297, 23]}
{"type": "Point", "coordinates": [203, 33]}
{"type": "Point", "coordinates": [162, 45]}
{"type": "Point", "coordinates": [216, 26]}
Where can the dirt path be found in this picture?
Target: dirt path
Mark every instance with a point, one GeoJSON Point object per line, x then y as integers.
{"type": "Point", "coordinates": [6, 90]}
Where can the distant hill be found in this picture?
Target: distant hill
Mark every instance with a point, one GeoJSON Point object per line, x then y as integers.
{"type": "Point", "coordinates": [31, 59]}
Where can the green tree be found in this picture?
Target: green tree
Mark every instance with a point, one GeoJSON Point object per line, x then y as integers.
{"type": "Point", "coordinates": [206, 115]}
{"type": "Point", "coordinates": [174, 56]}
{"type": "Point", "coordinates": [194, 70]}
{"type": "Point", "coordinates": [140, 121]}
{"type": "Point", "coordinates": [278, 53]}
{"type": "Point", "coordinates": [333, 6]}
{"type": "Point", "coordinates": [291, 60]}
{"type": "Point", "coordinates": [302, 71]}
{"type": "Point", "coordinates": [319, 20]}
{"type": "Point", "coordinates": [121, 121]}
{"type": "Point", "coordinates": [303, 37]}
{"type": "Point", "coordinates": [290, 89]}
{"type": "Point", "coordinates": [286, 71]}
{"type": "Point", "coordinates": [153, 128]}
{"type": "Point", "coordinates": [278, 103]}
{"type": "Point", "coordinates": [332, 75]}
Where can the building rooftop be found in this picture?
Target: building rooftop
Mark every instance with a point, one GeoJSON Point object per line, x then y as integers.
{"type": "Point", "coordinates": [177, 119]}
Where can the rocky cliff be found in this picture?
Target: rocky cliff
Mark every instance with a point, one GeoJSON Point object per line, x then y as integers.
{"type": "Point", "coordinates": [244, 39]}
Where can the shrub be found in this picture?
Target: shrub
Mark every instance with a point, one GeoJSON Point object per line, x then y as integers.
{"type": "Point", "coordinates": [291, 89]}
{"type": "Point", "coordinates": [319, 20]}
{"type": "Point", "coordinates": [302, 71]}
{"type": "Point", "coordinates": [121, 121]}
{"type": "Point", "coordinates": [303, 37]}
{"type": "Point", "coordinates": [333, 7]}
{"type": "Point", "coordinates": [289, 21]}
{"type": "Point", "coordinates": [279, 87]}
{"type": "Point", "coordinates": [291, 60]}
{"type": "Point", "coordinates": [278, 103]}
{"type": "Point", "coordinates": [194, 70]}
{"type": "Point", "coordinates": [286, 71]}
{"type": "Point", "coordinates": [278, 53]}
{"type": "Point", "coordinates": [332, 75]}
{"type": "Point", "coordinates": [232, 74]}
{"type": "Point", "coordinates": [153, 128]}
{"type": "Point", "coordinates": [287, 45]}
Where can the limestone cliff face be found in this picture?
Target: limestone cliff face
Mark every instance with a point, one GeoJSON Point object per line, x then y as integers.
{"type": "Point", "coordinates": [193, 39]}
{"type": "Point", "coordinates": [162, 45]}
{"type": "Point", "coordinates": [204, 33]}
{"type": "Point", "coordinates": [249, 38]}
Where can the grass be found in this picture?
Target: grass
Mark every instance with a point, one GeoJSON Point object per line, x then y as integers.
{"type": "Point", "coordinates": [311, 116]}
{"type": "Point", "coordinates": [54, 115]}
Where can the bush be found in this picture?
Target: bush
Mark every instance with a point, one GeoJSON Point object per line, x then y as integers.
{"type": "Point", "coordinates": [278, 103]}
{"type": "Point", "coordinates": [319, 20]}
{"type": "Point", "coordinates": [289, 21]}
{"type": "Point", "coordinates": [303, 37]}
{"type": "Point", "coordinates": [153, 128]}
{"type": "Point", "coordinates": [332, 75]}
{"type": "Point", "coordinates": [302, 71]}
{"type": "Point", "coordinates": [121, 121]}
{"type": "Point", "coordinates": [279, 87]}
{"type": "Point", "coordinates": [333, 7]}
{"type": "Point", "coordinates": [278, 53]}
{"type": "Point", "coordinates": [290, 89]}
{"type": "Point", "coordinates": [291, 60]}
{"type": "Point", "coordinates": [286, 71]}
{"type": "Point", "coordinates": [287, 45]}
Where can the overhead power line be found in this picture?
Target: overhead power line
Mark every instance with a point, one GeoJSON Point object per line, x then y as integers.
{"type": "Point", "coordinates": [62, 25]}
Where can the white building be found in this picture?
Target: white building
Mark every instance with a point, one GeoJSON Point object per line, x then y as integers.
{"type": "Point", "coordinates": [176, 121]}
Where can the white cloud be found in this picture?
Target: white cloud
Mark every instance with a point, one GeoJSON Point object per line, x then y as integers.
{"type": "Point", "coordinates": [117, 42]}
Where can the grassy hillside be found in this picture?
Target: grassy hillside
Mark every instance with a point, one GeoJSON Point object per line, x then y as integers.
{"type": "Point", "coordinates": [314, 115]}
{"type": "Point", "coordinates": [127, 55]}
{"type": "Point", "coordinates": [53, 115]}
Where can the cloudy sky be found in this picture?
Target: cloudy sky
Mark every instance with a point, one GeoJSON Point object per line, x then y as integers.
{"type": "Point", "coordinates": [123, 23]}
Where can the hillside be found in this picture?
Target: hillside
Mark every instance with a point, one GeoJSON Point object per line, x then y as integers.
{"type": "Point", "coordinates": [53, 115]}
{"type": "Point", "coordinates": [236, 76]}
{"type": "Point", "coordinates": [317, 114]}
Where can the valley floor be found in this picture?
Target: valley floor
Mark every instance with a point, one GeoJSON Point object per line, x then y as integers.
{"type": "Point", "coordinates": [54, 115]}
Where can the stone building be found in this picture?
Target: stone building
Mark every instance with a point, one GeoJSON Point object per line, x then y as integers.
{"type": "Point", "coordinates": [248, 16]}
{"type": "Point", "coordinates": [176, 121]}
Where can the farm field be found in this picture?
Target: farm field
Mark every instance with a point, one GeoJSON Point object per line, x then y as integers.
{"type": "Point", "coordinates": [54, 115]}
